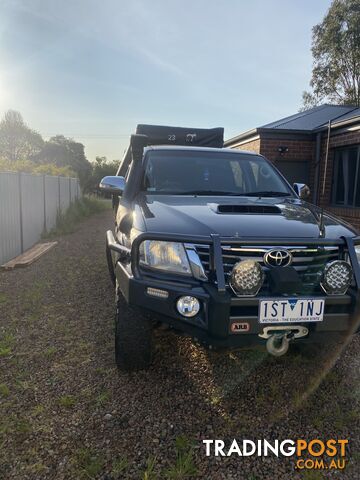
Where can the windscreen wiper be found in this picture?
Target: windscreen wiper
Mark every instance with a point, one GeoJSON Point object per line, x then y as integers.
{"type": "Point", "coordinates": [267, 193]}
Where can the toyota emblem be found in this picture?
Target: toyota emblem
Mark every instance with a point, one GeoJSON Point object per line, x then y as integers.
{"type": "Point", "coordinates": [277, 258]}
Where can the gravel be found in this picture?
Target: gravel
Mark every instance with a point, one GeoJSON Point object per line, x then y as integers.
{"type": "Point", "coordinates": [67, 413]}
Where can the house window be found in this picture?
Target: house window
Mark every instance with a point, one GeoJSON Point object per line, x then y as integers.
{"type": "Point", "coordinates": [346, 180]}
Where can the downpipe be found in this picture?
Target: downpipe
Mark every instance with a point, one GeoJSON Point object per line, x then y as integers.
{"type": "Point", "coordinates": [279, 337]}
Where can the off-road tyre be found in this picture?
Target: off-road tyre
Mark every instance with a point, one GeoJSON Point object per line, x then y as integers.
{"type": "Point", "coordinates": [133, 337]}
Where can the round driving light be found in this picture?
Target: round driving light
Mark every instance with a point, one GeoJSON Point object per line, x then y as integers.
{"type": "Point", "coordinates": [337, 277]}
{"type": "Point", "coordinates": [246, 278]}
{"type": "Point", "coordinates": [188, 306]}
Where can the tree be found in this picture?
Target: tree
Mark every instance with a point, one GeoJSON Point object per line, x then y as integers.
{"type": "Point", "coordinates": [17, 140]}
{"type": "Point", "coordinates": [336, 56]}
{"type": "Point", "coordinates": [101, 168]}
{"type": "Point", "coordinates": [63, 152]}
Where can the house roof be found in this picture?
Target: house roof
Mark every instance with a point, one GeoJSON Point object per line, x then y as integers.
{"type": "Point", "coordinates": [311, 119]}
{"type": "Point", "coordinates": [308, 121]}
{"type": "Point", "coordinates": [348, 116]}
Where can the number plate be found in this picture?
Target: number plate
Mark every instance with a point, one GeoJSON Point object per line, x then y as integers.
{"type": "Point", "coordinates": [291, 310]}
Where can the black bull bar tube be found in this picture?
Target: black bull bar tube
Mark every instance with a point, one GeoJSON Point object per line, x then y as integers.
{"type": "Point", "coordinates": [215, 242]}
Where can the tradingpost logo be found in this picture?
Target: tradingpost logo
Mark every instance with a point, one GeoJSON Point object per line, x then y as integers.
{"type": "Point", "coordinates": [315, 454]}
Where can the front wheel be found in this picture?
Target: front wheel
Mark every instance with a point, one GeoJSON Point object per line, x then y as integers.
{"type": "Point", "coordinates": [133, 337]}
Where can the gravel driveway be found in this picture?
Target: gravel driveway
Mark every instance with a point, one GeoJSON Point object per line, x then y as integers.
{"type": "Point", "coordinates": [67, 413]}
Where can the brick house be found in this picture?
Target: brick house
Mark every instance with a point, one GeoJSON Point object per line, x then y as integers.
{"type": "Point", "coordinates": [298, 145]}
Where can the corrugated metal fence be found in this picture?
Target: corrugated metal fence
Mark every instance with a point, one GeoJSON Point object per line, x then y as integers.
{"type": "Point", "coordinates": [28, 207]}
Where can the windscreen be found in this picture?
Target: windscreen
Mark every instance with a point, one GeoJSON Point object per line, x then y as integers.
{"type": "Point", "coordinates": [191, 172]}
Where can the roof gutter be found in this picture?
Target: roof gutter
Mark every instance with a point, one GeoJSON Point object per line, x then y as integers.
{"type": "Point", "coordinates": [339, 124]}
{"type": "Point", "coordinates": [241, 137]}
{"type": "Point", "coordinates": [250, 133]}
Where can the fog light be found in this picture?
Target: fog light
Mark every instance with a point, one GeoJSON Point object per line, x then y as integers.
{"type": "Point", "coordinates": [246, 278]}
{"type": "Point", "coordinates": [337, 277]}
{"type": "Point", "coordinates": [188, 306]}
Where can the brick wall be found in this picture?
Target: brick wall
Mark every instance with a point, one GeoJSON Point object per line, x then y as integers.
{"type": "Point", "coordinates": [351, 215]}
{"type": "Point", "coordinates": [298, 149]}
{"type": "Point", "coordinates": [302, 147]}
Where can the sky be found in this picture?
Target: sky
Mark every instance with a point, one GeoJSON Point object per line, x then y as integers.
{"type": "Point", "coordinates": [92, 70]}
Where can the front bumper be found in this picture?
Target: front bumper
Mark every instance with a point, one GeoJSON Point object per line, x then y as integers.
{"type": "Point", "coordinates": [220, 311]}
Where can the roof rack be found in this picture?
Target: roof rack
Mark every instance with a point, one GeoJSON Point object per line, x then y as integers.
{"type": "Point", "coordinates": [164, 135]}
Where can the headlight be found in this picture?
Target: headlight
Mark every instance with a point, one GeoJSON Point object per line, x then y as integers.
{"type": "Point", "coordinates": [337, 277]}
{"type": "Point", "coordinates": [246, 278]}
{"type": "Point", "coordinates": [166, 256]}
{"type": "Point", "coordinates": [357, 251]}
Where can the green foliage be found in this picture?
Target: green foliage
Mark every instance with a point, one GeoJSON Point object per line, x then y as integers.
{"type": "Point", "coordinates": [67, 401]}
{"type": "Point", "coordinates": [312, 475]}
{"type": "Point", "coordinates": [90, 465]}
{"type": "Point", "coordinates": [78, 210]}
{"type": "Point", "coordinates": [102, 398]}
{"type": "Point", "coordinates": [120, 465]}
{"type": "Point", "coordinates": [24, 150]}
{"type": "Point", "coordinates": [336, 56]}
{"type": "Point", "coordinates": [4, 390]}
{"type": "Point", "coordinates": [27, 166]}
{"type": "Point", "coordinates": [149, 472]}
{"type": "Point", "coordinates": [17, 140]}
{"type": "Point", "coordinates": [3, 298]}
{"type": "Point", "coordinates": [100, 168]}
{"type": "Point", "coordinates": [184, 465]}
{"type": "Point", "coordinates": [50, 351]}
{"type": "Point", "coordinates": [6, 343]}
{"type": "Point", "coordinates": [66, 152]}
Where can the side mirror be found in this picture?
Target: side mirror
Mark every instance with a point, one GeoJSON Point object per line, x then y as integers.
{"type": "Point", "coordinates": [302, 190]}
{"type": "Point", "coordinates": [114, 185]}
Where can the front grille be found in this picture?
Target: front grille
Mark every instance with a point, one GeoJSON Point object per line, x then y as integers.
{"type": "Point", "coordinates": [308, 261]}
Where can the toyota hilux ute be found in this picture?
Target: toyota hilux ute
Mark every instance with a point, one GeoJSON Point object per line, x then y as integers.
{"type": "Point", "coordinates": [215, 243]}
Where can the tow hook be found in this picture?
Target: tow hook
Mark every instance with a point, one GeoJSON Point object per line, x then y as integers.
{"type": "Point", "coordinates": [279, 337]}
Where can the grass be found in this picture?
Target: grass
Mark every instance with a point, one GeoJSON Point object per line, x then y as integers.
{"type": "Point", "coordinates": [149, 472]}
{"type": "Point", "coordinates": [102, 398]}
{"type": "Point", "coordinates": [23, 426]}
{"type": "Point", "coordinates": [14, 424]}
{"type": "Point", "coordinates": [67, 401]}
{"type": "Point", "coordinates": [6, 343]}
{"type": "Point", "coordinates": [90, 464]}
{"type": "Point", "coordinates": [33, 295]}
{"type": "Point", "coordinates": [3, 298]}
{"type": "Point", "coordinates": [78, 211]}
{"type": "Point", "coordinates": [184, 464]}
{"type": "Point", "coordinates": [4, 390]}
{"type": "Point", "coordinates": [50, 351]}
{"type": "Point", "coordinates": [38, 410]}
{"type": "Point", "coordinates": [312, 475]}
{"type": "Point", "coordinates": [120, 465]}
